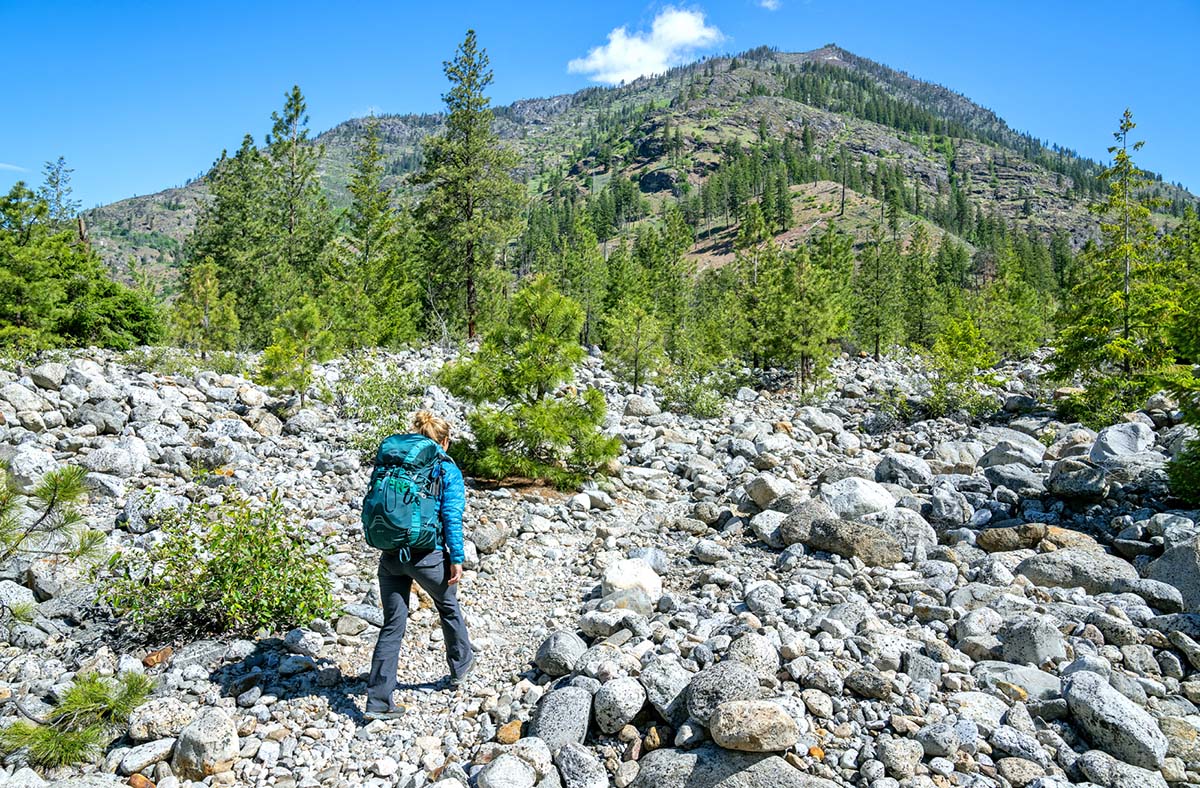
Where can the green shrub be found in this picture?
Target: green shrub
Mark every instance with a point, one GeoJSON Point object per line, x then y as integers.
{"type": "Point", "coordinates": [225, 568]}
{"type": "Point", "coordinates": [958, 353]}
{"type": "Point", "coordinates": [170, 361]}
{"type": "Point", "coordinates": [695, 398]}
{"type": "Point", "coordinates": [381, 401]}
{"type": "Point", "coordinates": [299, 340]}
{"type": "Point", "coordinates": [1184, 473]}
{"type": "Point", "coordinates": [44, 523]}
{"type": "Point", "coordinates": [522, 427]}
{"type": "Point", "coordinates": [91, 713]}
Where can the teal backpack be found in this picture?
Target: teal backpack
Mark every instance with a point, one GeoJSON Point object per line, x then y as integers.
{"type": "Point", "coordinates": [400, 509]}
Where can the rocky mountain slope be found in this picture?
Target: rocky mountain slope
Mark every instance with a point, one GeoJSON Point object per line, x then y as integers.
{"type": "Point", "coordinates": [803, 593]}
{"type": "Point", "coordinates": [599, 132]}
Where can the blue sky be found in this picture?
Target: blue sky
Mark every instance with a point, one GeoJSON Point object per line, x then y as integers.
{"type": "Point", "coordinates": [139, 96]}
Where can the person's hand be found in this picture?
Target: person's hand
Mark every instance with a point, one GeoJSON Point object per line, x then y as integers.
{"type": "Point", "coordinates": [455, 574]}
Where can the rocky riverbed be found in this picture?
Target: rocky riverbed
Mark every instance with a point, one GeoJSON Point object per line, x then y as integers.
{"type": "Point", "coordinates": [807, 592]}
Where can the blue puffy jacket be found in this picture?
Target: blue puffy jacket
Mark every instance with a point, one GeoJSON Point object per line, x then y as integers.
{"type": "Point", "coordinates": [453, 502]}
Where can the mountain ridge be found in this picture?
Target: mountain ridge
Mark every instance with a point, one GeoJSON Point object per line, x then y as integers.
{"type": "Point", "coordinates": [871, 111]}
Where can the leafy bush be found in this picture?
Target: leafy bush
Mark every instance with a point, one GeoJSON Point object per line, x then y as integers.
{"type": "Point", "coordinates": [382, 401]}
{"type": "Point", "coordinates": [170, 361]}
{"type": "Point", "coordinates": [694, 397]}
{"type": "Point", "coordinates": [55, 291]}
{"type": "Point", "coordinates": [299, 340]}
{"type": "Point", "coordinates": [1184, 473]}
{"type": "Point", "coordinates": [229, 567]}
{"type": "Point", "coordinates": [90, 714]}
{"type": "Point", "coordinates": [958, 353]}
{"type": "Point", "coordinates": [522, 427]}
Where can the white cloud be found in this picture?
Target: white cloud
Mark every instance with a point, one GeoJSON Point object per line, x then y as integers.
{"type": "Point", "coordinates": [11, 167]}
{"type": "Point", "coordinates": [770, 5]}
{"type": "Point", "coordinates": [674, 36]}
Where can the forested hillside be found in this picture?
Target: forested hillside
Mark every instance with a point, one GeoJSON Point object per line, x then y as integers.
{"type": "Point", "coordinates": [826, 115]}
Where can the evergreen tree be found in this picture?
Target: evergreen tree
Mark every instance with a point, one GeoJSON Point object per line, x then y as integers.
{"type": "Point", "coordinates": [373, 282]}
{"type": "Point", "coordinates": [472, 206]}
{"type": "Point", "coordinates": [584, 274]}
{"type": "Point", "coordinates": [921, 294]}
{"type": "Point", "coordinates": [524, 426]}
{"type": "Point", "coordinates": [299, 220]}
{"type": "Point", "coordinates": [1116, 324]}
{"type": "Point", "coordinates": [56, 191]}
{"type": "Point", "coordinates": [635, 343]}
{"type": "Point", "coordinates": [205, 318]}
{"type": "Point", "coordinates": [813, 318]}
{"type": "Point", "coordinates": [300, 339]}
{"type": "Point", "coordinates": [1013, 316]}
{"type": "Point", "coordinates": [55, 291]}
{"type": "Point", "coordinates": [879, 308]}
{"type": "Point", "coordinates": [231, 231]}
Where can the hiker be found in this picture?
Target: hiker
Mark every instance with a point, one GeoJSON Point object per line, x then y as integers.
{"type": "Point", "coordinates": [435, 563]}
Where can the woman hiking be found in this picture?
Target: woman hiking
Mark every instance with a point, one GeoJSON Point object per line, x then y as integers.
{"type": "Point", "coordinates": [437, 570]}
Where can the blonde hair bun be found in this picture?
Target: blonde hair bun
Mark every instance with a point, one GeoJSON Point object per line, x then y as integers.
{"type": "Point", "coordinates": [431, 426]}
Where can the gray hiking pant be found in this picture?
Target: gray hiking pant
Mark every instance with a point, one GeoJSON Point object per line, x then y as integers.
{"type": "Point", "coordinates": [430, 570]}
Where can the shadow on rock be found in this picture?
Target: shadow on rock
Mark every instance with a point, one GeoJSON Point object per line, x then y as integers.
{"type": "Point", "coordinates": [270, 670]}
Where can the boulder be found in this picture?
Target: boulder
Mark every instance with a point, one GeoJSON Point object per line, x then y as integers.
{"type": "Point", "coordinates": [629, 574]}
{"type": "Point", "coordinates": [797, 526]}
{"type": "Point", "coordinates": [873, 546]}
{"type": "Point", "coordinates": [1121, 440]}
{"type": "Point", "coordinates": [715, 767]}
{"type": "Point", "coordinates": [579, 768]}
{"type": "Point", "coordinates": [1009, 453]}
{"type": "Point", "coordinates": [160, 718]}
{"type": "Point", "coordinates": [506, 771]}
{"type": "Point", "coordinates": [906, 470]}
{"type": "Point", "coordinates": [955, 456]}
{"type": "Point", "coordinates": [1112, 722]}
{"type": "Point", "coordinates": [559, 652]}
{"type": "Point", "coordinates": [666, 683]}
{"type": "Point", "coordinates": [639, 406]}
{"type": "Point", "coordinates": [1179, 566]}
{"type": "Point", "coordinates": [27, 464]}
{"type": "Point", "coordinates": [617, 703]}
{"type": "Point", "coordinates": [1076, 478]}
{"type": "Point", "coordinates": [915, 536]}
{"type": "Point", "coordinates": [1092, 570]}
{"type": "Point", "coordinates": [765, 488]}
{"type": "Point", "coordinates": [854, 497]}
{"type": "Point", "coordinates": [562, 716]}
{"type": "Point", "coordinates": [143, 508]}
{"type": "Point", "coordinates": [1029, 639]}
{"type": "Point", "coordinates": [715, 685]}
{"type": "Point", "coordinates": [125, 458]}
{"type": "Point", "coordinates": [49, 375]}
{"type": "Point", "coordinates": [207, 745]}
{"type": "Point", "coordinates": [753, 726]}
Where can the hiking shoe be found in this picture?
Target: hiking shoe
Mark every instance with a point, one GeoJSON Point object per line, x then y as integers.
{"type": "Point", "coordinates": [456, 681]}
{"type": "Point", "coordinates": [390, 714]}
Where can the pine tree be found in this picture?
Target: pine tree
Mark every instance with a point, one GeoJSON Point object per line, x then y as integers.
{"type": "Point", "coordinates": [205, 318]}
{"type": "Point", "coordinates": [635, 343]}
{"type": "Point", "coordinates": [55, 291]}
{"type": "Point", "coordinates": [300, 224]}
{"type": "Point", "coordinates": [57, 193]}
{"type": "Point", "coordinates": [1117, 321]}
{"type": "Point", "coordinates": [300, 339]}
{"type": "Point", "coordinates": [878, 317]}
{"type": "Point", "coordinates": [373, 282]}
{"type": "Point", "coordinates": [472, 206]}
{"type": "Point", "coordinates": [584, 275]}
{"type": "Point", "coordinates": [522, 424]}
{"type": "Point", "coordinates": [813, 317]}
{"type": "Point", "coordinates": [921, 294]}
{"type": "Point", "coordinates": [1013, 316]}
{"type": "Point", "coordinates": [231, 231]}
